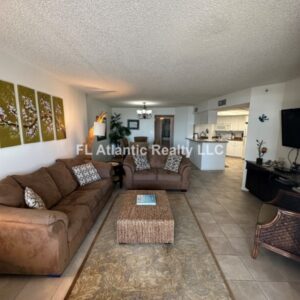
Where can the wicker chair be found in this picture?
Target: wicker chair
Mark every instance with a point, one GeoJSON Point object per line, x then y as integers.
{"type": "Point", "coordinates": [278, 226]}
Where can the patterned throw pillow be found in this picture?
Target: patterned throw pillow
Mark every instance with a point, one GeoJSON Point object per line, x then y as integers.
{"type": "Point", "coordinates": [173, 163]}
{"type": "Point", "coordinates": [33, 200]}
{"type": "Point", "coordinates": [86, 174]}
{"type": "Point", "coordinates": [141, 162]}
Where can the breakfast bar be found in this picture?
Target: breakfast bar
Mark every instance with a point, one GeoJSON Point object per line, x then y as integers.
{"type": "Point", "coordinates": [208, 154]}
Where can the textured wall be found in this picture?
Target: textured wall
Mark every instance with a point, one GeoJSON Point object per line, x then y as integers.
{"type": "Point", "coordinates": [25, 158]}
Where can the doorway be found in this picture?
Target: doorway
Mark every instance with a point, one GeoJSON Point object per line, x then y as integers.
{"type": "Point", "coordinates": [164, 130]}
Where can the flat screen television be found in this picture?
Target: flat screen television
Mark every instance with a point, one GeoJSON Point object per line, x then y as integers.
{"type": "Point", "coordinates": [290, 124]}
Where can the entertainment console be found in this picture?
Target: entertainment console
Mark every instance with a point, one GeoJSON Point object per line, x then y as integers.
{"type": "Point", "coordinates": [265, 182]}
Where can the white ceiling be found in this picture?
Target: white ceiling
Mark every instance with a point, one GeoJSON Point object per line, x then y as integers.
{"type": "Point", "coordinates": [169, 52]}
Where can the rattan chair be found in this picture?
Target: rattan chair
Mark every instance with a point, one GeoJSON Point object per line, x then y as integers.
{"type": "Point", "coordinates": [278, 226]}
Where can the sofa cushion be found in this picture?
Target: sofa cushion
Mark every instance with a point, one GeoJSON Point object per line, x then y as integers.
{"type": "Point", "coordinates": [59, 171]}
{"type": "Point", "coordinates": [157, 161]}
{"type": "Point", "coordinates": [165, 175]}
{"type": "Point", "coordinates": [79, 217]}
{"type": "Point", "coordinates": [104, 169]}
{"type": "Point", "coordinates": [89, 198]}
{"type": "Point", "coordinates": [33, 200]}
{"type": "Point", "coordinates": [71, 162]}
{"type": "Point", "coordinates": [42, 183]}
{"type": "Point", "coordinates": [267, 214]}
{"type": "Point", "coordinates": [11, 193]}
{"type": "Point", "coordinates": [102, 185]}
{"type": "Point", "coordinates": [145, 175]}
{"type": "Point", "coordinates": [86, 174]}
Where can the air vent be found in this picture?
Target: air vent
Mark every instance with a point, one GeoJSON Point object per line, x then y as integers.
{"type": "Point", "coordinates": [222, 102]}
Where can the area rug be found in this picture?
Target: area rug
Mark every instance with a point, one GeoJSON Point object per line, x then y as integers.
{"type": "Point", "coordinates": [184, 270]}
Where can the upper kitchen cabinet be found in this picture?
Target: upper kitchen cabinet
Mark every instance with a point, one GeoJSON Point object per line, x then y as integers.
{"type": "Point", "coordinates": [206, 117]}
{"type": "Point", "coordinates": [231, 123]}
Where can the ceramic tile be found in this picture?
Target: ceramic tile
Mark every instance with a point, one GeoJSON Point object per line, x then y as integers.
{"type": "Point", "coordinates": [233, 268]}
{"type": "Point", "coordinates": [246, 290]}
{"type": "Point", "coordinates": [280, 290]}
{"type": "Point", "coordinates": [221, 245]}
{"type": "Point", "coordinates": [232, 230]}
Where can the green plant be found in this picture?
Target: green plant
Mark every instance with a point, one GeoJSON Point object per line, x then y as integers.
{"type": "Point", "coordinates": [117, 130]}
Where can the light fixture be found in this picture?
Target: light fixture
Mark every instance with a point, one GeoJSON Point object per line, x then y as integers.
{"type": "Point", "coordinates": [99, 129]}
{"type": "Point", "coordinates": [144, 113]}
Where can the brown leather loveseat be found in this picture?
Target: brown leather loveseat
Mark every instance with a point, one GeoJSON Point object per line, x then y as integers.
{"type": "Point", "coordinates": [42, 242]}
{"type": "Point", "coordinates": [157, 177]}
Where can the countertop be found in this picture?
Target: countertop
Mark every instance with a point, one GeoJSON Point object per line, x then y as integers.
{"type": "Point", "coordinates": [207, 141]}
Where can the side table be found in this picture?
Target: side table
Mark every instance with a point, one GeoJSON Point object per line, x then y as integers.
{"type": "Point", "coordinates": [118, 172]}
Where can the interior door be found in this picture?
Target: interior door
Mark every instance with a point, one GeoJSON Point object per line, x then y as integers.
{"type": "Point", "coordinates": [164, 130]}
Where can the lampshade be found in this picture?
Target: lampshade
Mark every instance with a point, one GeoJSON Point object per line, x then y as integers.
{"type": "Point", "coordinates": [99, 129]}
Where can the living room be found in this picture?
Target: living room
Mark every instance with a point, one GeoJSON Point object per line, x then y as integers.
{"type": "Point", "coordinates": [80, 79]}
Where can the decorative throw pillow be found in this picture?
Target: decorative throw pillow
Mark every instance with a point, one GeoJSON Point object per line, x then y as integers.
{"type": "Point", "coordinates": [141, 162]}
{"type": "Point", "coordinates": [33, 200]}
{"type": "Point", "coordinates": [86, 174]}
{"type": "Point", "coordinates": [173, 163]}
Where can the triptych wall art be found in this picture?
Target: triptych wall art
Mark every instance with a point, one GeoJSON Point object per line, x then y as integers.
{"type": "Point", "coordinates": [37, 117]}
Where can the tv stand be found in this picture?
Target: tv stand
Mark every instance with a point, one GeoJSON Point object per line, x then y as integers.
{"type": "Point", "coordinates": [283, 170]}
{"type": "Point", "coordinates": [265, 182]}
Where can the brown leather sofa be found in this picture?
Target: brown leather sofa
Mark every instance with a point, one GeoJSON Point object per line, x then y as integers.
{"type": "Point", "coordinates": [42, 242]}
{"type": "Point", "coordinates": [156, 177]}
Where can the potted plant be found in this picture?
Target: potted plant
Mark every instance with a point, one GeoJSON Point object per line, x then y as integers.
{"type": "Point", "coordinates": [117, 130]}
{"type": "Point", "coordinates": [261, 151]}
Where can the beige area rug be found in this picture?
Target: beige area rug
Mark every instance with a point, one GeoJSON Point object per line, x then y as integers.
{"type": "Point", "coordinates": [185, 270]}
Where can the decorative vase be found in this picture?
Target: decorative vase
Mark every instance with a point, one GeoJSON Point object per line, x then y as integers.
{"type": "Point", "coordinates": [259, 161]}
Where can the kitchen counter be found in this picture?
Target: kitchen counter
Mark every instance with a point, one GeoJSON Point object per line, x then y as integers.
{"type": "Point", "coordinates": [208, 154]}
{"type": "Point", "coordinates": [207, 141]}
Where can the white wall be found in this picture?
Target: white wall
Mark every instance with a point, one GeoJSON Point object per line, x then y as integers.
{"type": "Point", "coordinates": [183, 122]}
{"type": "Point", "coordinates": [29, 157]}
{"type": "Point", "coordinates": [268, 103]}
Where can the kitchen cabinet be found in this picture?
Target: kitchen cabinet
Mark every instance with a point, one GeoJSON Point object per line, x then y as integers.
{"type": "Point", "coordinates": [232, 123]}
{"type": "Point", "coordinates": [206, 117]}
{"type": "Point", "coordinates": [223, 127]}
{"type": "Point", "coordinates": [235, 148]}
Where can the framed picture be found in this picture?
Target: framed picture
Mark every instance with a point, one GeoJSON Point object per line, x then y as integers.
{"type": "Point", "coordinates": [9, 123]}
{"type": "Point", "coordinates": [59, 118]}
{"type": "Point", "coordinates": [133, 124]}
{"type": "Point", "coordinates": [29, 115]}
{"type": "Point", "coordinates": [46, 116]}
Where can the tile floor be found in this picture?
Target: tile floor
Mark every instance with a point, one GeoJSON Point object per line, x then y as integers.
{"type": "Point", "coordinates": [227, 216]}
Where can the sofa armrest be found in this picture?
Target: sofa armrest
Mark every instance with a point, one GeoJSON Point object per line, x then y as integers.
{"type": "Point", "coordinates": [129, 163]}
{"type": "Point", "coordinates": [33, 242]}
{"type": "Point", "coordinates": [32, 216]}
{"type": "Point", "coordinates": [185, 163]}
{"type": "Point", "coordinates": [104, 169]}
{"type": "Point", "coordinates": [129, 169]}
